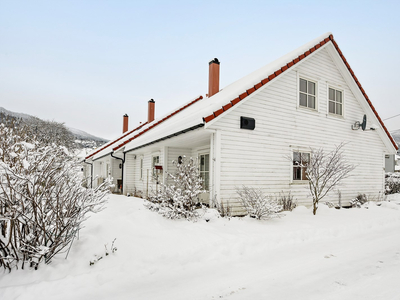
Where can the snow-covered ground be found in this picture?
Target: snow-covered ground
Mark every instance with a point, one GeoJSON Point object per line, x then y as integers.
{"type": "Point", "coordinates": [337, 254]}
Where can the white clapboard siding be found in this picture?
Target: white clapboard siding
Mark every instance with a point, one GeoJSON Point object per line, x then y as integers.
{"type": "Point", "coordinates": [116, 172]}
{"type": "Point", "coordinates": [173, 154]}
{"type": "Point", "coordinates": [133, 183]}
{"type": "Point", "coordinates": [261, 158]}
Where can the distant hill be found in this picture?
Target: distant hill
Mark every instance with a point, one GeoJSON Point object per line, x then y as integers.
{"type": "Point", "coordinates": [82, 138]}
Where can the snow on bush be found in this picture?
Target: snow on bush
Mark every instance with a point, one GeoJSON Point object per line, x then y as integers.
{"type": "Point", "coordinates": [287, 202]}
{"type": "Point", "coordinates": [257, 204]}
{"type": "Point", "coordinates": [392, 183]}
{"type": "Point", "coordinates": [42, 201]}
{"type": "Point", "coordinates": [180, 198]}
{"type": "Point", "coordinates": [325, 171]}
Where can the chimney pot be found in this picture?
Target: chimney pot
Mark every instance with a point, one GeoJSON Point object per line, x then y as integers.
{"type": "Point", "coordinates": [213, 77]}
{"type": "Point", "coordinates": [151, 110]}
{"type": "Point", "coordinates": [125, 123]}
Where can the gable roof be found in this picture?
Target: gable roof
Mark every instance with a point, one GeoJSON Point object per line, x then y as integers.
{"type": "Point", "coordinates": [285, 66]}
{"type": "Point", "coordinates": [219, 103]}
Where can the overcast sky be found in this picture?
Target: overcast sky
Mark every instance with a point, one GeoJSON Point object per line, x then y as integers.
{"type": "Point", "coordinates": [87, 63]}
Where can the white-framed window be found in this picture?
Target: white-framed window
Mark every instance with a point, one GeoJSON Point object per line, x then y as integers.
{"type": "Point", "coordinates": [155, 161]}
{"type": "Point", "coordinates": [204, 170]}
{"type": "Point", "coordinates": [307, 93]}
{"type": "Point", "coordinates": [300, 163]}
{"type": "Point", "coordinates": [335, 101]}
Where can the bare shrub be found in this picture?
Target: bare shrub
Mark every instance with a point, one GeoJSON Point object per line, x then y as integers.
{"type": "Point", "coordinates": [42, 201]}
{"type": "Point", "coordinates": [325, 171]}
{"type": "Point", "coordinates": [287, 202]}
{"type": "Point", "coordinates": [392, 183]}
{"type": "Point", "coordinates": [358, 201]}
{"type": "Point", "coordinates": [224, 210]}
{"type": "Point", "coordinates": [180, 199]}
{"type": "Point", "coordinates": [257, 204]}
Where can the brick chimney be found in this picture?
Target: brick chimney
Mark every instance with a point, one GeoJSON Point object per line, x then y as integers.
{"type": "Point", "coordinates": [151, 110]}
{"type": "Point", "coordinates": [125, 124]}
{"type": "Point", "coordinates": [213, 77]}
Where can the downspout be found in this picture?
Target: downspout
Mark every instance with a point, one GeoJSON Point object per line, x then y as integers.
{"type": "Point", "coordinates": [91, 173]}
{"type": "Point", "coordinates": [122, 175]}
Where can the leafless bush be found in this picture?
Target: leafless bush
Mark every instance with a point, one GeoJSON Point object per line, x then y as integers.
{"type": "Point", "coordinates": [287, 202]}
{"type": "Point", "coordinates": [42, 201]}
{"type": "Point", "coordinates": [392, 183]}
{"type": "Point", "coordinates": [358, 201]}
{"type": "Point", "coordinates": [180, 199]}
{"type": "Point", "coordinates": [224, 210]}
{"type": "Point", "coordinates": [257, 204]}
{"type": "Point", "coordinates": [325, 171]}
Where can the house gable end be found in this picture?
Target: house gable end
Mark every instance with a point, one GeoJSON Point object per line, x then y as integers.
{"type": "Point", "coordinates": [327, 42]}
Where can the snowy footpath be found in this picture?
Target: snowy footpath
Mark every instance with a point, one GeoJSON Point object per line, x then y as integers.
{"type": "Point", "coordinates": [337, 254]}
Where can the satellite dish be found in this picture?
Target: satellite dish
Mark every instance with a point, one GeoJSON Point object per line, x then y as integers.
{"type": "Point", "coordinates": [364, 123]}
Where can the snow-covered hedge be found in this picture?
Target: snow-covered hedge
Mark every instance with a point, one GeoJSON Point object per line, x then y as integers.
{"type": "Point", "coordinates": [42, 201]}
{"type": "Point", "coordinates": [392, 183]}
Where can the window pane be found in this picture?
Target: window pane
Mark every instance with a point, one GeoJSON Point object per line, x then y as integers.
{"type": "Point", "coordinates": [303, 99]}
{"type": "Point", "coordinates": [331, 107]}
{"type": "Point", "coordinates": [303, 174]}
{"type": "Point", "coordinates": [206, 180]}
{"type": "Point", "coordinates": [207, 162]}
{"type": "Point", "coordinates": [311, 101]}
{"type": "Point", "coordinates": [331, 94]}
{"type": "Point", "coordinates": [305, 158]}
{"type": "Point", "coordinates": [339, 108]}
{"type": "Point", "coordinates": [311, 88]}
{"type": "Point", "coordinates": [296, 173]}
{"type": "Point", "coordinates": [339, 96]}
{"type": "Point", "coordinates": [296, 158]}
{"type": "Point", "coordinates": [201, 162]}
{"type": "Point", "coordinates": [303, 85]}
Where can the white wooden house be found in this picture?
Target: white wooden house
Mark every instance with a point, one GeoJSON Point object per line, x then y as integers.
{"type": "Point", "coordinates": [250, 132]}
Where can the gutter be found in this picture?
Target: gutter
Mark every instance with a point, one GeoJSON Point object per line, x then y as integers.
{"type": "Point", "coordinates": [91, 173]}
{"type": "Point", "coordinates": [168, 137]}
{"type": "Point", "coordinates": [122, 175]}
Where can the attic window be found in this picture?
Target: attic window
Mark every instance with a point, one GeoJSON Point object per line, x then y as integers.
{"type": "Point", "coordinates": [335, 102]}
{"type": "Point", "coordinates": [307, 96]}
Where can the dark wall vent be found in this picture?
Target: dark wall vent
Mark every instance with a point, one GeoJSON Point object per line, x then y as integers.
{"type": "Point", "coordinates": [247, 123]}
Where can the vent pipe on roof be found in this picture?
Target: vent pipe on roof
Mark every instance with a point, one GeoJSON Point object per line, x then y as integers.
{"type": "Point", "coordinates": [125, 123]}
{"type": "Point", "coordinates": [151, 110]}
{"type": "Point", "coordinates": [213, 77]}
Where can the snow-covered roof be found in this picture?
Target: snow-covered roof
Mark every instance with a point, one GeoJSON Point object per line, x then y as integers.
{"type": "Point", "coordinates": [210, 108]}
{"type": "Point", "coordinates": [106, 148]}
{"type": "Point", "coordinates": [130, 135]}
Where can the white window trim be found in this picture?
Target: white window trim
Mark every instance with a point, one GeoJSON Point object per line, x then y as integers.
{"type": "Point", "coordinates": [338, 88]}
{"type": "Point", "coordinates": [317, 84]}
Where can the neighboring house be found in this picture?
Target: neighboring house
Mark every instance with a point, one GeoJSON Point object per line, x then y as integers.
{"type": "Point", "coordinates": [390, 162]}
{"type": "Point", "coordinates": [255, 131]}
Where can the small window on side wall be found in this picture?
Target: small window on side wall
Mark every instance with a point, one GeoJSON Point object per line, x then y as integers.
{"type": "Point", "coordinates": [335, 102]}
{"type": "Point", "coordinates": [307, 93]}
{"type": "Point", "coordinates": [300, 163]}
